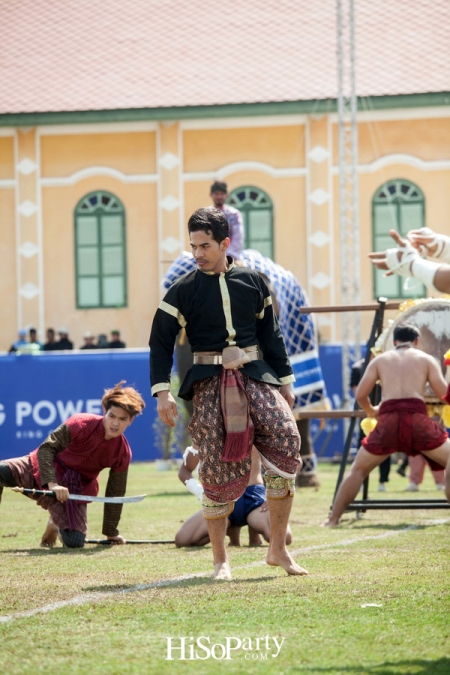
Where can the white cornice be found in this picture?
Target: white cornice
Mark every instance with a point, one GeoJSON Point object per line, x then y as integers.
{"type": "Point", "coordinates": [100, 128]}
{"type": "Point", "coordinates": [91, 171]}
{"type": "Point", "coordinates": [236, 167]}
{"type": "Point", "coordinates": [244, 122]}
{"type": "Point", "coordinates": [398, 114]}
{"type": "Point", "coordinates": [399, 158]}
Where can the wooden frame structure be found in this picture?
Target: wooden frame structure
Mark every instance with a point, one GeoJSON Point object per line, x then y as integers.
{"type": "Point", "coordinates": [364, 504]}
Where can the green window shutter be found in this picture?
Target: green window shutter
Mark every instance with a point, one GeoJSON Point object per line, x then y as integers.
{"type": "Point", "coordinates": [100, 252]}
{"type": "Point", "coordinates": [257, 213]}
{"type": "Point", "coordinates": [397, 205]}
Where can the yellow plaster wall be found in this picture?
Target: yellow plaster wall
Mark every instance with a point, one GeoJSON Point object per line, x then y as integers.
{"type": "Point", "coordinates": [131, 153]}
{"type": "Point", "coordinates": [8, 276]}
{"type": "Point", "coordinates": [142, 262]}
{"type": "Point", "coordinates": [434, 185]}
{"type": "Point", "coordinates": [6, 157]}
{"type": "Point", "coordinates": [288, 198]}
{"type": "Point", "coordinates": [427, 139]}
{"type": "Point", "coordinates": [204, 150]}
{"type": "Point", "coordinates": [210, 149]}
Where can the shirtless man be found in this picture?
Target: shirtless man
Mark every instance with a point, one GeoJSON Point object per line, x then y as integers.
{"type": "Point", "coordinates": [403, 423]}
{"type": "Point", "coordinates": [250, 509]}
{"type": "Point", "coordinates": [407, 261]}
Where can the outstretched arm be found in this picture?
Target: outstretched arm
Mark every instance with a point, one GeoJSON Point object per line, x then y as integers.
{"type": "Point", "coordinates": [115, 487]}
{"type": "Point", "coordinates": [436, 245]}
{"type": "Point", "coordinates": [56, 442]}
{"type": "Point", "coordinates": [436, 379]}
{"type": "Point", "coordinates": [365, 387]}
{"type": "Point", "coordinates": [190, 462]}
{"type": "Point", "coordinates": [406, 261]}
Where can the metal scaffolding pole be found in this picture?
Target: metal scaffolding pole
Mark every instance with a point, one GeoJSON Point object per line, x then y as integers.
{"type": "Point", "coordinates": [348, 190]}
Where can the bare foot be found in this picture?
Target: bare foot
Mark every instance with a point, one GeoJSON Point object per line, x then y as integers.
{"type": "Point", "coordinates": [50, 536]}
{"type": "Point", "coordinates": [284, 559]}
{"type": "Point", "coordinates": [222, 571]}
{"type": "Point", "coordinates": [330, 523]}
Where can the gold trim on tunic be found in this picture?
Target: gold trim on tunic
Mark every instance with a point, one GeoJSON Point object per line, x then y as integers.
{"type": "Point", "coordinates": [173, 311]}
{"type": "Point", "coordinates": [267, 303]}
{"type": "Point", "coordinates": [287, 379]}
{"type": "Point", "coordinates": [162, 386]}
{"type": "Point", "coordinates": [226, 300]}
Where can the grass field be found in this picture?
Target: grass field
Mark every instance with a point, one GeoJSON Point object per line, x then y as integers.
{"type": "Point", "coordinates": [376, 600]}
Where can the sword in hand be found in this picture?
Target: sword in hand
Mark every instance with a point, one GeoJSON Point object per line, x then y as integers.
{"type": "Point", "coordinates": [81, 498]}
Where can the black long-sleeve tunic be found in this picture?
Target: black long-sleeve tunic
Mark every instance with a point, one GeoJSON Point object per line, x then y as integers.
{"type": "Point", "coordinates": [218, 310]}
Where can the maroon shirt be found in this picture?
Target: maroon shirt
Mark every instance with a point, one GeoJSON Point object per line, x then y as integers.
{"type": "Point", "coordinates": [84, 451]}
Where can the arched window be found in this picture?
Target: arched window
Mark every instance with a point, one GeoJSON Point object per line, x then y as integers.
{"type": "Point", "coordinates": [397, 205]}
{"type": "Point", "coordinates": [100, 251]}
{"type": "Point", "coordinates": [257, 211]}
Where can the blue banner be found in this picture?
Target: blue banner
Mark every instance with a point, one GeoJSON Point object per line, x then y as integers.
{"type": "Point", "coordinates": [307, 371]}
{"type": "Point", "coordinates": [39, 392]}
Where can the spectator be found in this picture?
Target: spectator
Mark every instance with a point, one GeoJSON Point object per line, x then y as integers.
{"type": "Point", "coordinates": [116, 342]}
{"type": "Point", "coordinates": [32, 333]}
{"type": "Point", "coordinates": [64, 342]}
{"type": "Point", "coordinates": [417, 466]}
{"type": "Point", "coordinates": [219, 194]}
{"type": "Point", "coordinates": [102, 342]}
{"type": "Point", "coordinates": [88, 341]}
{"type": "Point", "coordinates": [51, 343]}
{"type": "Point", "coordinates": [21, 342]}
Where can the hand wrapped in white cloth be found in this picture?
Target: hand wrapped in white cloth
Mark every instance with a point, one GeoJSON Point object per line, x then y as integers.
{"type": "Point", "coordinates": [194, 486]}
{"type": "Point", "coordinates": [405, 260]}
{"type": "Point", "coordinates": [436, 245]}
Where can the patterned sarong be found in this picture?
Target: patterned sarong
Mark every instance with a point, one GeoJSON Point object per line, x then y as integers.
{"type": "Point", "coordinates": [275, 436]}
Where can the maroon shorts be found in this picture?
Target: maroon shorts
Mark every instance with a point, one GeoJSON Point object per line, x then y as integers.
{"type": "Point", "coordinates": [404, 426]}
{"type": "Point", "coordinates": [22, 472]}
{"type": "Point", "coordinates": [275, 436]}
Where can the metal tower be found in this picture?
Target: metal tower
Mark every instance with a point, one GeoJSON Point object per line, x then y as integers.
{"type": "Point", "coordinates": [348, 189]}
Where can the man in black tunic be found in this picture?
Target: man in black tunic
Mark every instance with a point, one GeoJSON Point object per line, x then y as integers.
{"type": "Point", "coordinates": [239, 399]}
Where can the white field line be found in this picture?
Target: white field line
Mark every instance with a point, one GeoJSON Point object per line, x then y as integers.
{"type": "Point", "coordinates": [101, 595]}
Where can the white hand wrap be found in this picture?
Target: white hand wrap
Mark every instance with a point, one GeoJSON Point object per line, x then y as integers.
{"type": "Point", "coordinates": [443, 251]}
{"type": "Point", "coordinates": [442, 241]}
{"type": "Point", "coordinates": [424, 271]}
{"type": "Point", "coordinates": [402, 267]}
{"type": "Point", "coordinates": [194, 486]}
{"type": "Point", "coordinates": [187, 451]}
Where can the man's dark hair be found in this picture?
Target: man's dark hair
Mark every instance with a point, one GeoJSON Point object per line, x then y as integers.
{"type": "Point", "coordinates": [219, 186]}
{"type": "Point", "coordinates": [208, 220]}
{"type": "Point", "coordinates": [406, 332]}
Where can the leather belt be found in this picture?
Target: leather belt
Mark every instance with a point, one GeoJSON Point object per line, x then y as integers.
{"type": "Point", "coordinates": [215, 358]}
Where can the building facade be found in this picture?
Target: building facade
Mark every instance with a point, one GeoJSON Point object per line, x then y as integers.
{"type": "Point", "coordinates": [93, 213]}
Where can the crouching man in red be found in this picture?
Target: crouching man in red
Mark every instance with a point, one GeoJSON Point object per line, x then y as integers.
{"type": "Point", "coordinates": [70, 460]}
{"type": "Point", "coordinates": [403, 422]}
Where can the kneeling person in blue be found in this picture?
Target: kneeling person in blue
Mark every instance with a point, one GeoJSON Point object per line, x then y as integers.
{"type": "Point", "coordinates": [250, 509]}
